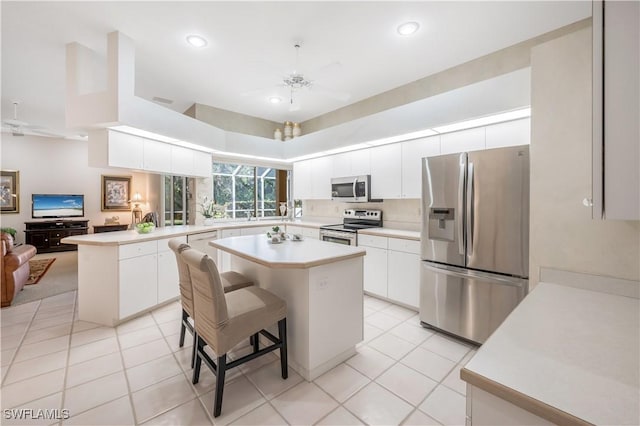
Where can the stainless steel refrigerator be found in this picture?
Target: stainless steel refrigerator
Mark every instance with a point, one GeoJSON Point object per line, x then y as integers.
{"type": "Point", "coordinates": [475, 240]}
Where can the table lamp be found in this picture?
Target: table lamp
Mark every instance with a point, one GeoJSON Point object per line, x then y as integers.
{"type": "Point", "coordinates": [136, 212]}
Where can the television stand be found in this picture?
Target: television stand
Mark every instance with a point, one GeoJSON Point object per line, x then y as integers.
{"type": "Point", "coordinates": [46, 235]}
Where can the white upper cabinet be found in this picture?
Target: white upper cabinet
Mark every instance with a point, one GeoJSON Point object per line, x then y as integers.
{"type": "Point", "coordinates": [616, 108]}
{"type": "Point", "coordinates": [115, 149]}
{"type": "Point", "coordinates": [202, 164]}
{"type": "Point", "coordinates": [465, 140]}
{"type": "Point", "coordinates": [412, 154]}
{"type": "Point", "coordinates": [181, 161]}
{"type": "Point", "coordinates": [341, 165]}
{"type": "Point", "coordinates": [386, 171]}
{"type": "Point", "coordinates": [511, 133]}
{"type": "Point", "coordinates": [353, 163]}
{"type": "Point", "coordinates": [321, 169]}
{"type": "Point", "coordinates": [157, 156]}
{"type": "Point", "coordinates": [302, 180]}
{"type": "Point", "coordinates": [126, 151]}
{"type": "Point", "coordinates": [360, 162]}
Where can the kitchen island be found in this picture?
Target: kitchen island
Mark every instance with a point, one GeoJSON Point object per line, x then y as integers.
{"type": "Point", "coordinates": [322, 284]}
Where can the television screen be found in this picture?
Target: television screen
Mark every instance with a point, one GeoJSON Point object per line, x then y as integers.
{"type": "Point", "coordinates": [57, 205]}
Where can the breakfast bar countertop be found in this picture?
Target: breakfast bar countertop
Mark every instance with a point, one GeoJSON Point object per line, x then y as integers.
{"type": "Point", "coordinates": [287, 254]}
{"type": "Point", "coordinates": [566, 354]}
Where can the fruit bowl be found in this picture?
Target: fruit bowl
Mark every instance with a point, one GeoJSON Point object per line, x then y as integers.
{"type": "Point", "coordinates": [145, 227]}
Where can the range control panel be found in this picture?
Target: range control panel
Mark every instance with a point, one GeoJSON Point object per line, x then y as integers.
{"type": "Point", "coordinates": [362, 214]}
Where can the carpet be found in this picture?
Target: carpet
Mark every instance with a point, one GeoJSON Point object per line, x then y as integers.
{"type": "Point", "coordinates": [38, 267]}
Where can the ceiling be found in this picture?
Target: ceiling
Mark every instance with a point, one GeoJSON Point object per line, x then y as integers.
{"type": "Point", "coordinates": [347, 47]}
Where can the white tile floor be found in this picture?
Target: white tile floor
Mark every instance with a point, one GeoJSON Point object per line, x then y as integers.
{"type": "Point", "coordinates": [137, 374]}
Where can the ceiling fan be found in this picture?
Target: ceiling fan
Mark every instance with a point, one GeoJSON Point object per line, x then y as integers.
{"type": "Point", "coordinates": [295, 81]}
{"type": "Point", "coordinates": [20, 128]}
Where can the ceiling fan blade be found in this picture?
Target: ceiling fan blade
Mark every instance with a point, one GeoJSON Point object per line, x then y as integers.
{"type": "Point", "coordinates": [334, 94]}
{"type": "Point", "coordinates": [40, 132]}
{"type": "Point", "coordinates": [13, 122]}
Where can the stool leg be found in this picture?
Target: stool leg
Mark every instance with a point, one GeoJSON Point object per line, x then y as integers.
{"type": "Point", "coordinates": [220, 372]}
{"type": "Point", "coordinates": [183, 327]}
{"type": "Point", "coordinates": [194, 352]}
{"type": "Point", "coordinates": [282, 332]}
{"type": "Point", "coordinates": [256, 342]}
{"type": "Point", "coordinates": [196, 370]}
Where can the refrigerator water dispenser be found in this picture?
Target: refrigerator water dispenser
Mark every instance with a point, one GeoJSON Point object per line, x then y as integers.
{"type": "Point", "coordinates": [441, 224]}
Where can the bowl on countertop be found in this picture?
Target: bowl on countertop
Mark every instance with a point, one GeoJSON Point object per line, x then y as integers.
{"type": "Point", "coordinates": [145, 228]}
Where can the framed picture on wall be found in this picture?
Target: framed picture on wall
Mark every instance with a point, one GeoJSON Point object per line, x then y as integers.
{"type": "Point", "coordinates": [116, 193]}
{"type": "Point", "coordinates": [10, 191]}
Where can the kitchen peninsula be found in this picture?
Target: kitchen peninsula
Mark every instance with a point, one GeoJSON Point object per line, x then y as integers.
{"type": "Point", "coordinates": [123, 274]}
{"type": "Point", "coordinates": [322, 284]}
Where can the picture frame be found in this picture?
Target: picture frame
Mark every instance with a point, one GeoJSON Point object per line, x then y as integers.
{"type": "Point", "coordinates": [116, 193]}
{"type": "Point", "coordinates": [9, 191]}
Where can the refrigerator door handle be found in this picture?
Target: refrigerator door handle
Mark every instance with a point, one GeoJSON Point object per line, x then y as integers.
{"type": "Point", "coordinates": [459, 219]}
{"type": "Point", "coordinates": [470, 210]}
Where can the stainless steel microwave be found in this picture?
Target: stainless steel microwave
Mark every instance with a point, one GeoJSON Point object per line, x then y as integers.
{"type": "Point", "coordinates": [353, 189]}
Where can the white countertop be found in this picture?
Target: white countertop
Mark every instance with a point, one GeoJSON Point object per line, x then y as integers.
{"type": "Point", "coordinates": [571, 349]}
{"type": "Point", "coordinates": [392, 233]}
{"type": "Point", "coordinates": [288, 254]}
{"type": "Point", "coordinates": [131, 236]}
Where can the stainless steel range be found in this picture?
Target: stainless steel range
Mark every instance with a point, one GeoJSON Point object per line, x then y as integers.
{"type": "Point", "coordinates": [352, 220]}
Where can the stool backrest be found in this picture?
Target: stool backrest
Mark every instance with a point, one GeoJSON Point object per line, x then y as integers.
{"type": "Point", "coordinates": [184, 278]}
{"type": "Point", "coordinates": [209, 302]}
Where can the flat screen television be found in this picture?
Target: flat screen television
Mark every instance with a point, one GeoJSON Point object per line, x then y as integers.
{"type": "Point", "coordinates": [56, 206]}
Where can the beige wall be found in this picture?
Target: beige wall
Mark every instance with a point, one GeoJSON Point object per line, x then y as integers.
{"type": "Point", "coordinates": [59, 166]}
{"type": "Point", "coordinates": [233, 121]}
{"type": "Point", "coordinates": [562, 233]}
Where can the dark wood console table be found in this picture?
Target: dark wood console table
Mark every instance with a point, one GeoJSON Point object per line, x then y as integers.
{"type": "Point", "coordinates": [46, 235]}
{"type": "Point", "coordinates": [109, 228]}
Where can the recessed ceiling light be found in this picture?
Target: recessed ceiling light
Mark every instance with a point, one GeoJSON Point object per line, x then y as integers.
{"type": "Point", "coordinates": [196, 41]}
{"type": "Point", "coordinates": [275, 100]}
{"type": "Point", "coordinates": [408, 28]}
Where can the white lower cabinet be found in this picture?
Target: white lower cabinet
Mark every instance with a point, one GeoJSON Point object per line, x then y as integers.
{"type": "Point", "coordinates": [138, 277]}
{"type": "Point", "coordinates": [375, 271]}
{"type": "Point", "coordinates": [147, 275]}
{"type": "Point", "coordinates": [392, 268]}
{"type": "Point", "coordinates": [311, 233]}
{"type": "Point", "coordinates": [404, 277]}
{"type": "Point", "coordinates": [168, 286]}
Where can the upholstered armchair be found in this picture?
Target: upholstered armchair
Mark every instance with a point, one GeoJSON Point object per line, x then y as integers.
{"type": "Point", "coordinates": [15, 267]}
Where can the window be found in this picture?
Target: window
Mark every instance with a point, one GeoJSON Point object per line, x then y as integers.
{"type": "Point", "coordinates": [245, 191]}
{"type": "Point", "coordinates": [176, 207]}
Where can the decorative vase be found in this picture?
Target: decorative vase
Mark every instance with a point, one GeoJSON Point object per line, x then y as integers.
{"type": "Point", "coordinates": [208, 221]}
{"type": "Point", "coordinates": [297, 131]}
{"type": "Point", "coordinates": [277, 135]}
{"type": "Point", "coordinates": [283, 208]}
{"type": "Point", "coordinates": [288, 130]}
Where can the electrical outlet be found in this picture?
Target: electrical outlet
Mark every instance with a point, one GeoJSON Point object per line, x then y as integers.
{"type": "Point", "coordinates": [323, 283]}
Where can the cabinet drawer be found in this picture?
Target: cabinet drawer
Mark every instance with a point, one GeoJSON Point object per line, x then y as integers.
{"type": "Point", "coordinates": [138, 249]}
{"type": "Point", "coordinates": [407, 246]}
{"type": "Point", "coordinates": [163, 244]}
{"type": "Point", "coordinates": [203, 236]}
{"type": "Point", "coordinates": [372, 241]}
{"type": "Point", "coordinates": [230, 233]}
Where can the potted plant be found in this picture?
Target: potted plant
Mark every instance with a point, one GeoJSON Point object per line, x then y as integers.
{"type": "Point", "coordinates": [207, 210]}
{"type": "Point", "coordinates": [10, 231]}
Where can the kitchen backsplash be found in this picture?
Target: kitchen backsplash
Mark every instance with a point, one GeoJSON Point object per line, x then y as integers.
{"type": "Point", "coordinates": [397, 214]}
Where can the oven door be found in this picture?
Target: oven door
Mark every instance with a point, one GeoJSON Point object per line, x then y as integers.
{"type": "Point", "coordinates": [346, 238]}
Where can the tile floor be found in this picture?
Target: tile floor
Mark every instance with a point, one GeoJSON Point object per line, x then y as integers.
{"type": "Point", "coordinates": [137, 374]}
